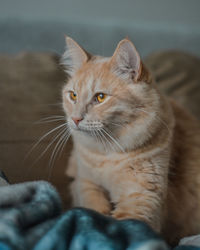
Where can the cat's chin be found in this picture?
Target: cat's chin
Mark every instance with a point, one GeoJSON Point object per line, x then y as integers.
{"type": "Point", "coordinates": [82, 131]}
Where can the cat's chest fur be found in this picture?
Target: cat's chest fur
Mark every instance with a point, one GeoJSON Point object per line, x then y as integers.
{"type": "Point", "coordinates": [99, 167]}
{"type": "Point", "coordinates": [103, 170]}
{"type": "Point", "coordinates": [110, 171]}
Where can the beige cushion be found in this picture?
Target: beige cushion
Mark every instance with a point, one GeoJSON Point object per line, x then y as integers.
{"type": "Point", "coordinates": [30, 89]}
{"type": "Point", "coordinates": [178, 76]}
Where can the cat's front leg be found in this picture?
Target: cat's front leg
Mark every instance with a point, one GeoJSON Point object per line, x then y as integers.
{"type": "Point", "coordinates": [141, 196]}
{"type": "Point", "coordinates": [89, 195]}
{"type": "Point", "coordinates": [142, 207]}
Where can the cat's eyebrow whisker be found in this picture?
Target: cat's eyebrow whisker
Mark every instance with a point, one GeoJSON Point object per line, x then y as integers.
{"type": "Point", "coordinates": [114, 140]}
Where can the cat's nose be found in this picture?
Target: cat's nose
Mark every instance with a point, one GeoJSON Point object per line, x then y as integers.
{"type": "Point", "coordinates": [76, 120]}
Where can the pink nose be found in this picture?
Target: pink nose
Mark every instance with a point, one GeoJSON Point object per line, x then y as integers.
{"type": "Point", "coordinates": [77, 120]}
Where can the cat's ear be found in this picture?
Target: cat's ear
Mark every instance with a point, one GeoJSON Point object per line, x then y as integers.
{"type": "Point", "coordinates": [126, 62]}
{"type": "Point", "coordinates": [74, 57]}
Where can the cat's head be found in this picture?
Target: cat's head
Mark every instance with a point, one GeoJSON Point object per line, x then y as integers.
{"type": "Point", "coordinates": [110, 100]}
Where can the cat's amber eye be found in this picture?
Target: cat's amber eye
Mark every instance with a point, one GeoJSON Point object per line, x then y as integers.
{"type": "Point", "coordinates": [100, 97]}
{"type": "Point", "coordinates": [73, 96]}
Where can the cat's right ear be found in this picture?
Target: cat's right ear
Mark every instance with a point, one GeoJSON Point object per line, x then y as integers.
{"type": "Point", "coordinates": [74, 57]}
{"type": "Point", "coordinates": [126, 63]}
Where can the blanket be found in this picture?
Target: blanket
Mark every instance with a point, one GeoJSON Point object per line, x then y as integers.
{"type": "Point", "coordinates": [31, 217]}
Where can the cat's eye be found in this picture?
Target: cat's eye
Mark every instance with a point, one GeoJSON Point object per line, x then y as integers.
{"type": "Point", "coordinates": [73, 96]}
{"type": "Point", "coordinates": [100, 97]}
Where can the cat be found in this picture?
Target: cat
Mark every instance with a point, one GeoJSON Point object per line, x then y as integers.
{"type": "Point", "coordinates": [136, 153]}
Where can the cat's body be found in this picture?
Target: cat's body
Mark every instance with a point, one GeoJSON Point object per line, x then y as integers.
{"type": "Point", "coordinates": [136, 154]}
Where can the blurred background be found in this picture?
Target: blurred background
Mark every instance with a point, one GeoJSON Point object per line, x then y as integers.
{"type": "Point", "coordinates": [40, 25]}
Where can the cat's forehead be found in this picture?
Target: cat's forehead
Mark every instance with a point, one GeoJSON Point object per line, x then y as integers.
{"type": "Point", "coordinates": [93, 75]}
{"type": "Point", "coordinates": [84, 83]}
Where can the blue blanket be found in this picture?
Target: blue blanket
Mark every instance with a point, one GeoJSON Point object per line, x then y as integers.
{"type": "Point", "coordinates": [31, 218]}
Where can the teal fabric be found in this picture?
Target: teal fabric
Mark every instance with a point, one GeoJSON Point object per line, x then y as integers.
{"type": "Point", "coordinates": [31, 218]}
{"type": "Point", "coordinates": [85, 229]}
{"type": "Point", "coordinates": [27, 211]}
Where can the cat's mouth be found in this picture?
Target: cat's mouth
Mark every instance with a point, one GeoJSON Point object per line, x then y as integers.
{"type": "Point", "coordinates": [89, 129]}
{"type": "Point", "coordinates": [88, 126]}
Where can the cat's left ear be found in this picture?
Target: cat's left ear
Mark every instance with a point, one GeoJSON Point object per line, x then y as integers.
{"type": "Point", "coordinates": [74, 57]}
{"type": "Point", "coordinates": [126, 62]}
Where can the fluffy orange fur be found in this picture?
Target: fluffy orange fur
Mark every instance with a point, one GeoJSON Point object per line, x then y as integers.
{"type": "Point", "coordinates": [136, 154]}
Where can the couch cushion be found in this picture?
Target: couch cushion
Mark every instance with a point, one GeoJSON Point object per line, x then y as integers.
{"type": "Point", "coordinates": [178, 76]}
{"type": "Point", "coordinates": [30, 89]}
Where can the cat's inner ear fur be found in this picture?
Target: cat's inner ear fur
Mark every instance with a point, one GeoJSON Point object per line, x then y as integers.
{"type": "Point", "coordinates": [74, 57]}
{"type": "Point", "coordinates": [126, 62]}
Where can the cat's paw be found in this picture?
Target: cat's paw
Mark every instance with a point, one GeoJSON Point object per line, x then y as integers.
{"type": "Point", "coordinates": [121, 214]}
{"type": "Point", "coordinates": [105, 210]}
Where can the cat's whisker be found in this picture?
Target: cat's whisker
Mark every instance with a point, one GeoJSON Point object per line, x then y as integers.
{"type": "Point", "coordinates": [49, 145]}
{"type": "Point", "coordinates": [93, 134]}
{"type": "Point", "coordinates": [158, 118]}
{"type": "Point", "coordinates": [107, 142]}
{"type": "Point", "coordinates": [114, 140]}
{"type": "Point", "coordinates": [59, 105]}
{"type": "Point", "coordinates": [52, 116]}
{"type": "Point", "coordinates": [56, 150]}
{"type": "Point", "coordinates": [65, 141]}
{"type": "Point", "coordinates": [55, 104]}
{"type": "Point", "coordinates": [42, 138]}
{"type": "Point", "coordinates": [53, 120]}
{"type": "Point", "coordinates": [116, 124]}
{"type": "Point", "coordinates": [110, 144]}
{"type": "Point", "coordinates": [101, 139]}
{"type": "Point", "coordinates": [96, 136]}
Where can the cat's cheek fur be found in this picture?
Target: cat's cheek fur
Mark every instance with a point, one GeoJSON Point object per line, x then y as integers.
{"type": "Point", "coordinates": [67, 105]}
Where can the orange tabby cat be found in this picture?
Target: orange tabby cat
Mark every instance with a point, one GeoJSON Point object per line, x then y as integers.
{"type": "Point", "coordinates": [136, 154]}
